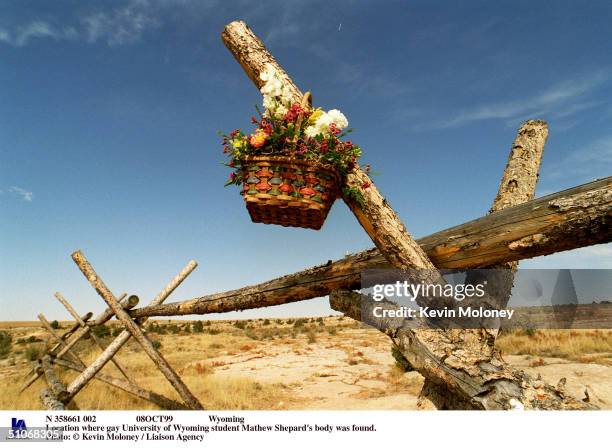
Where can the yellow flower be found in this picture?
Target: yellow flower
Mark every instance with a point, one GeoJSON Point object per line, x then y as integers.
{"type": "Point", "coordinates": [258, 138]}
{"type": "Point", "coordinates": [315, 114]}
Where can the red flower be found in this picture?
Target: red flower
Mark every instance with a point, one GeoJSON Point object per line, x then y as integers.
{"type": "Point", "coordinates": [334, 129]}
{"type": "Point", "coordinates": [293, 112]}
{"type": "Point", "coordinates": [366, 185]}
{"type": "Point", "coordinates": [231, 162]}
{"type": "Point", "coordinates": [266, 126]}
{"type": "Point", "coordinates": [232, 176]}
{"type": "Point", "coordinates": [324, 146]}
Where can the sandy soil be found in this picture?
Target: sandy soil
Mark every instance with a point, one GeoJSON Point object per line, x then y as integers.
{"type": "Point", "coordinates": [350, 370]}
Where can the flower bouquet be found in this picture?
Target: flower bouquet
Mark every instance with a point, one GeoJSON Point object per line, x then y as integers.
{"type": "Point", "coordinates": [291, 167]}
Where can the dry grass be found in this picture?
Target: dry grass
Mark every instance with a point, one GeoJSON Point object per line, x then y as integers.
{"type": "Point", "coordinates": [188, 353]}
{"type": "Point", "coordinates": [575, 345]}
{"type": "Point", "coordinates": [203, 357]}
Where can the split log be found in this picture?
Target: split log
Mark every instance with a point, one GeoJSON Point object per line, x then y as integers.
{"type": "Point", "coordinates": [566, 220]}
{"type": "Point", "coordinates": [129, 387]}
{"type": "Point", "coordinates": [79, 382]}
{"type": "Point", "coordinates": [57, 388]}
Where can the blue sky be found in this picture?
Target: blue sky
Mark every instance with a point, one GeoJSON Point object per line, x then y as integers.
{"type": "Point", "coordinates": [109, 113]}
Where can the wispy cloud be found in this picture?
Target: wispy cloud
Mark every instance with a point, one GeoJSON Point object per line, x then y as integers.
{"type": "Point", "coordinates": [125, 24]}
{"type": "Point", "coordinates": [36, 29]}
{"type": "Point", "coordinates": [587, 162]}
{"type": "Point", "coordinates": [557, 101]}
{"type": "Point", "coordinates": [120, 26]}
{"type": "Point", "coordinates": [591, 257]}
{"type": "Point", "coordinates": [21, 193]}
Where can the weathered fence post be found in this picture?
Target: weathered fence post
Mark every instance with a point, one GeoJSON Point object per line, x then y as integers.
{"type": "Point", "coordinates": [517, 186]}
{"type": "Point", "coordinates": [132, 328]}
{"type": "Point", "coordinates": [82, 323]}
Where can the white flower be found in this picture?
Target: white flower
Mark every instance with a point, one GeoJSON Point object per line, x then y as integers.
{"type": "Point", "coordinates": [280, 111]}
{"type": "Point", "coordinates": [338, 118]}
{"type": "Point", "coordinates": [311, 131]}
{"type": "Point", "coordinates": [268, 72]}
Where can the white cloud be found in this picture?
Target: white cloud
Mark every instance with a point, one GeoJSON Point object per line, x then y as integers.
{"type": "Point", "coordinates": [36, 29]}
{"type": "Point", "coordinates": [25, 195]}
{"type": "Point", "coordinates": [587, 162]}
{"type": "Point", "coordinates": [122, 25]}
{"type": "Point", "coordinates": [560, 101]}
{"type": "Point", "coordinates": [591, 257]}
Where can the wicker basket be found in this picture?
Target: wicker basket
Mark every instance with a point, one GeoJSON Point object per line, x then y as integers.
{"type": "Point", "coordinates": [288, 192]}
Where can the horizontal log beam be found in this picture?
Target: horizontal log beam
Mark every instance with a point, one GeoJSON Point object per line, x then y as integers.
{"type": "Point", "coordinates": [570, 219]}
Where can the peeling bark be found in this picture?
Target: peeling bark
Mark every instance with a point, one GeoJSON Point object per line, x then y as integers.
{"type": "Point", "coordinates": [462, 374]}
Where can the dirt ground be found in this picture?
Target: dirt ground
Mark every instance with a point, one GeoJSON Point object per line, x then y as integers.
{"type": "Point", "coordinates": [329, 363]}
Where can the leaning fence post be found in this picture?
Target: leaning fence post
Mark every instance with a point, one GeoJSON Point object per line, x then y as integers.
{"type": "Point", "coordinates": [97, 340]}
{"type": "Point", "coordinates": [112, 348]}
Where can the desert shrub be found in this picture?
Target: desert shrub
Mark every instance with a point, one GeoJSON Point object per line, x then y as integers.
{"type": "Point", "coordinates": [100, 331]}
{"type": "Point", "coordinates": [213, 331]}
{"type": "Point", "coordinates": [251, 334]}
{"type": "Point", "coordinates": [266, 322]}
{"type": "Point", "coordinates": [198, 326]}
{"type": "Point", "coordinates": [299, 322]}
{"type": "Point", "coordinates": [156, 344]}
{"type": "Point", "coordinates": [312, 337]}
{"type": "Point", "coordinates": [173, 328]}
{"type": "Point", "coordinates": [187, 328]}
{"type": "Point", "coordinates": [400, 360]}
{"type": "Point", "coordinates": [529, 331]}
{"type": "Point", "coordinates": [32, 339]}
{"type": "Point", "coordinates": [154, 327]}
{"type": "Point", "coordinates": [5, 344]}
{"type": "Point", "coordinates": [241, 324]}
{"type": "Point", "coordinates": [32, 353]}
{"type": "Point", "coordinates": [289, 321]}
{"type": "Point", "coordinates": [54, 324]}
{"type": "Point", "coordinates": [332, 330]}
{"type": "Point", "coordinates": [116, 331]}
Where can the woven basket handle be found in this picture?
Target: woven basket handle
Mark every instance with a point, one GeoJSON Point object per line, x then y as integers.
{"type": "Point", "coordinates": [306, 101]}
